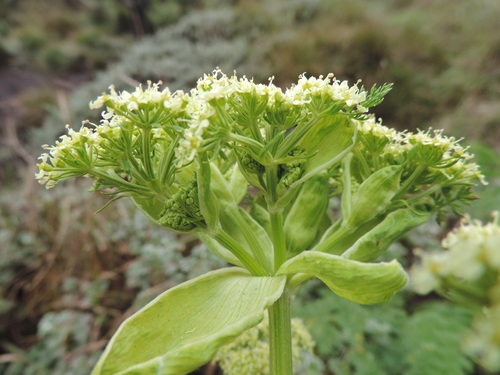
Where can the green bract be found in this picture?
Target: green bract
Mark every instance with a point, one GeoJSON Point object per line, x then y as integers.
{"type": "Point", "coordinates": [302, 222]}
{"type": "Point", "coordinates": [250, 169]}
{"type": "Point", "coordinates": [358, 282]}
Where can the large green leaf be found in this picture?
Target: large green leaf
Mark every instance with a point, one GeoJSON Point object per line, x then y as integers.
{"type": "Point", "coordinates": [183, 328]}
{"type": "Point", "coordinates": [359, 282]}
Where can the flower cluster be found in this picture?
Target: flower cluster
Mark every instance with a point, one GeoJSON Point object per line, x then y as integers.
{"type": "Point", "coordinates": [469, 272]}
{"type": "Point", "coordinates": [219, 85]}
{"type": "Point", "coordinates": [188, 160]}
{"type": "Point", "coordinates": [140, 99]}
{"type": "Point", "coordinates": [306, 88]}
{"type": "Point", "coordinates": [432, 163]}
{"type": "Point", "coordinates": [195, 119]}
{"type": "Point", "coordinates": [482, 342]}
{"type": "Point", "coordinates": [148, 140]}
{"type": "Point", "coordinates": [472, 251]}
{"type": "Point", "coordinates": [72, 156]}
{"type": "Point", "coordinates": [437, 150]}
{"type": "Point", "coordinates": [249, 353]}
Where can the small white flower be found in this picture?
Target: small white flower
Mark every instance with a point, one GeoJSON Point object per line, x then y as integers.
{"type": "Point", "coordinates": [192, 141]}
{"type": "Point", "coordinates": [133, 106]}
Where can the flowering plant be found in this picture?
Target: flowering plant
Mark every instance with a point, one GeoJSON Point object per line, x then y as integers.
{"type": "Point", "coordinates": [468, 272]}
{"type": "Point", "coordinates": [250, 169]}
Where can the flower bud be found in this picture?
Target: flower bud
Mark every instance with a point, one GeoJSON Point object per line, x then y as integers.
{"type": "Point", "coordinates": [182, 211]}
{"type": "Point", "coordinates": [249, 164]}
{"type": "Point", "coordinates": [301, 224]}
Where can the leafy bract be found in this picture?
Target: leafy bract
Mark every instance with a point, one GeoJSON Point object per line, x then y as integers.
{"type": "Point", "coordinates": [372, 196]}
{"type": "Point", "coordinates": [182, 328]}
{"type": "Point", "coordinates": [218, 250]}
{"type": "Point", "coordinates": [359, 282]}
{"type": "Point", "coordinates": [330, 140]}
{"type": "Point", "coordinates": [373, 244]}
{"type": "Point", "coordinates": [152, 208]}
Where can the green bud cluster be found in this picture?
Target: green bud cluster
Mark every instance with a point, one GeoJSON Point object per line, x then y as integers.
{"type": "Point", "coordinates": [182, 212]}
{"type": "Point", "coordinates": [248, 163]}
{"type": "Point", "coordinates": [293, 170]}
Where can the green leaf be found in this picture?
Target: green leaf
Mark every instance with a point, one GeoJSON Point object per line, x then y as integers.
{"type": "Point", "coordinates": [359, 282]}
{"type": "Point", "coordinates": [184, 327]}
{"type": "Point", "coordinates": [373, 244]}
{"type": "Point", "coordinates": [238, 184]}
{"type": "Point", "coordinates": [221, 187]}
{"type": "Point", "coordinates": [346, 201]}
{"type": "Point", "coordinates": [330, 140]}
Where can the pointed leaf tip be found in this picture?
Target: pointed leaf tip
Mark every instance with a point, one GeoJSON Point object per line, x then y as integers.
{"type": "Point", "coordinates": [364, 283]}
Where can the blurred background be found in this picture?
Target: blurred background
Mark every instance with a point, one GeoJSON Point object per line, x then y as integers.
{"type": "Point", "coordinates": [69, 277]}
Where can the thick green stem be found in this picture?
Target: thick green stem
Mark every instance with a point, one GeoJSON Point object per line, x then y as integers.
{"type": "Point", "coordinates": [416, 197]}
{"type": "Point", "coordinates": [254, 128]}
{"type": "Point", "coordinates": [280, 336]}
{"type": "Point", "coordinates": [276, 216]}
{"type": "Point", "coordinates": [278, 238]}
{"type": "Point", "coordinates": [246, 141]}
{"type": "Point", "coordinates": [120, 182]}
{"type": "Point", "coordinates": [292, 139]}
{"type": "Point", "coordinates": [166, 166]}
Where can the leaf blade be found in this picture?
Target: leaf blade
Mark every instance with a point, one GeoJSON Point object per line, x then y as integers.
{"type": "Point", "coordinates": [163, 338]}
{"type": "Point", "coordinates": [364, 283]}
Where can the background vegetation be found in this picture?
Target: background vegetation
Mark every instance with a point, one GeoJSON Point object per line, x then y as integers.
{"type": "Point", "coordinates": [69, 277]}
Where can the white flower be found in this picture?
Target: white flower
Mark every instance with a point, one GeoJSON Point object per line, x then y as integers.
{"type": "Point", "coordinates": [351, 95]}
{"type": "Point", "coordinates": [132, 106]}
{"type": "Point", "coordinates": [483, 342]}
{"type": "Point", "coordinates": [98, 103]}
{"type": "Point", "coordinates": [471, 249]}
{"type": "Point", "coordinates": [191, 143]}
{"type": "Point", "coordinates": [338, 91]}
